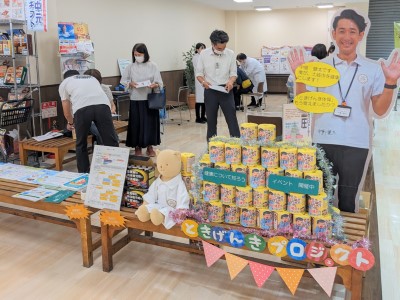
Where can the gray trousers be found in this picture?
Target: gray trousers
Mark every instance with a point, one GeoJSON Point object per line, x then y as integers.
{"type": "Point", "coordinates": [213, 100]}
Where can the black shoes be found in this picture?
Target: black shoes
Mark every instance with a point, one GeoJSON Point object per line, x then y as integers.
{"type": "Point", "coordinates": [201, 121]}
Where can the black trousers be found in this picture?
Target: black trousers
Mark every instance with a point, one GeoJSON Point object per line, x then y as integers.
{"type": "Point", "coordinates": [348, 163]}
{"type": "Point", "coordinates": [213, 100]}
{"type": "Point", "coordinates": [200, 111]}
{"type": "Point", "coordinates": [83, 118]}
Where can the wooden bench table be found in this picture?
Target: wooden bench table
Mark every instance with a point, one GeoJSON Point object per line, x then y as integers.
{"type": "Point", "coordinates": [58, 146]}
{"type": "Point", "coordinates": [8, 188]}
{"type": "Point", "coordinates": [355, 226]}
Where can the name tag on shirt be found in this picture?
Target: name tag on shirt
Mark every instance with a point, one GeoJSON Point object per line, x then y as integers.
{"type": "Point", "coordinates": [342, 111]}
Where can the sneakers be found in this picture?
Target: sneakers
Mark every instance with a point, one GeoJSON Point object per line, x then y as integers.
{"type": "Point", "coordinates": [150, 152]}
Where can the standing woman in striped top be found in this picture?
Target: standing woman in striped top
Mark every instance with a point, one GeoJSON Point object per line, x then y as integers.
{"type": "Point", "coordinates": [144, 123]}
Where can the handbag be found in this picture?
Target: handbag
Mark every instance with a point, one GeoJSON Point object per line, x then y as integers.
{"type": "Point", "coordinates": [157, 100]}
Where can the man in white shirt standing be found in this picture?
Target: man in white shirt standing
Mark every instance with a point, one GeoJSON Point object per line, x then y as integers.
{"type": "Point", "coordinates": [255, 70]}
{"type": "Point", "coordinates": [216, 68]}
{"type": "Point", "coordinates": [84, 102]}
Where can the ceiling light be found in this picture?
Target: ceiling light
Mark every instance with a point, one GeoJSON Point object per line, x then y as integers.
{"type": "Point", "coordinates": [325, 5]}
{"type": "Point", "coordinates": [263, 8]}
{"type": "Point", "coordinates": [243, 1]}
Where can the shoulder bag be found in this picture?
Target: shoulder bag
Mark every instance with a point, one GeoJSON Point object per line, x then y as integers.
{"type": "Point", "coordinates": [157, 100]}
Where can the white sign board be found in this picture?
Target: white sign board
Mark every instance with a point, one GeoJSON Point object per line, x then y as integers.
{"type": "Point", "coordinates": [296, 124]}
{"type": "Point", "coordinates": [49, 109]}
{"type": "Point", "coordinates": [36, 15]}
{"type": "Point", "coordinates": [107, 177]}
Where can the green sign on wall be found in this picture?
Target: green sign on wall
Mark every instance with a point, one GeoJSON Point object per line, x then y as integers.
{"type": "Point", "coordinates": [293, 184]}
{"type": "Point", "coordinates": [224, 177]}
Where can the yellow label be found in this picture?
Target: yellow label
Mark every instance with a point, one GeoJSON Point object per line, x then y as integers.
{"type": "Point", "coordinates": [77, 211]}
{"type": "Point", "coordinates": [277, 246]}
{"type": "Point", "coordinates": [112, 218]}
{"type": "Point", "coordinates": [317, 74]}
{"type": "Point", "coordinates": [316, 102]}
{"type": "Point", "coordinates": [189, 227]}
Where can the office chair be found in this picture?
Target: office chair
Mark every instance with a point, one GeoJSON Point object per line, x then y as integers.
{"type": "Point", "coordinates": [180, 104]}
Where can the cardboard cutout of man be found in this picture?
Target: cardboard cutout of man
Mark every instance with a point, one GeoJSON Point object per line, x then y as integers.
{"type": "Point", "coordinates": [363, 84]}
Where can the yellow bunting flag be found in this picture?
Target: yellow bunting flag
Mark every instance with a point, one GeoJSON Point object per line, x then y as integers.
{"type": "Point", "coordinates": [189, 227]}
{"type": "Point", "coordinates": [77, 211]}
{"type": "Point", "coordinates": [235, 264]}
{"type": "Point", "coordinates": [325, 277]}
{"type": "Point", "coordinates": [315, 102]}
{"type": "Point", "coordinates": [291, 277]}
{"type": "Point", "coordinates": [112, 218]}
{"type": "Point", "coordinates": [317, 74]}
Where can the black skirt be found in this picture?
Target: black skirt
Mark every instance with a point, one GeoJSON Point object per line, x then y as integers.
{"type": "Point", "coordinates": [143, 125]}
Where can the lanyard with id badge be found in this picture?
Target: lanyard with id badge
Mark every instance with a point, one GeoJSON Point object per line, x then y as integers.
{"type": "Point", "coordinates": [344, 110]}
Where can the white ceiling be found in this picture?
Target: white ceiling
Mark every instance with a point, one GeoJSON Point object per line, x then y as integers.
{"type": "Point", "coordinates": [274, 4]}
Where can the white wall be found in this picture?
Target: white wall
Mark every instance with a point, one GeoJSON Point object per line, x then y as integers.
{"type": "Point", "coordinates": [167, 28]}
{"type": "Point", "coordinates": [304, 27]}
{"type": "Point", "coordinates": [170, 27]}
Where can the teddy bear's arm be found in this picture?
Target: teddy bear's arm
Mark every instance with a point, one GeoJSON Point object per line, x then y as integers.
{"type": "Point", "coordinates": [183, 198]}
{"type": "Point", "coordinates": [151, 196]}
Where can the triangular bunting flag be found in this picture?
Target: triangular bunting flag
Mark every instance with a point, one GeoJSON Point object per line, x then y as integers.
{"type": "Point", "coordinates": [260, 272]}
{"type": "Point", "coordinates": [325, 278]}
{"type": "Point", "coordinates": [235, 264]}
{"type": "Point", "coordinates": [291, 277]}
{"type": "Point", "coordinates": [212, 253]}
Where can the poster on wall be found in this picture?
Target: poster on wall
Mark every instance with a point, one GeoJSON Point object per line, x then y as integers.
{"type": "Point", "coordinates": [397, 34]}
{"type": "Point", "coordinates": [296, 124]}
{"type": "Point", "coordinates": [275, 59]}
{"type": "Point", "coordinates": [74, 38]}
{"type": "Point", "coordinates": [107, 177]}
{"type": "Point", "coordinates": [36, 14]}
{"type": "Point", "coordinates": [12, 10]}
{"type": "Point", "coordinates": [79, 61]}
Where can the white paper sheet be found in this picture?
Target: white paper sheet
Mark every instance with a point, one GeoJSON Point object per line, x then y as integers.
{"type": "Point", "coordinates": [219, 88]}
{"type": "Point", "coordinates": [143, 83]}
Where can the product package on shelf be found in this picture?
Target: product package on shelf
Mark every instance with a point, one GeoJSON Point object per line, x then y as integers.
{"type": "Point", "coordinates": [140, 176]}
{"type": "Point", "coordinates": [22, 42]}
{"type": "Point", "coordinates": [133, 197]}
{"type": "Point", "coordinates": [3, 71]}
{"type": "Point", "coordinates": [20, 74]}
{"type": "Point", "coordinates": [5, 44]}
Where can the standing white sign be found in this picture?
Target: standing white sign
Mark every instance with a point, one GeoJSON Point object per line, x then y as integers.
{"type": "Point", "coordinates": [296, 124]}
{"type": "Point", "coordinates": [36, 15]}
{"type": "Point", "coordinates": [107, 177]}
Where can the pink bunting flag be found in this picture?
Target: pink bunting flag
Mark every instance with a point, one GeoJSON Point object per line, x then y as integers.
{"type": "Point", "coordinates": [325, 278]}
{"type": "Point", "coordinates": [260, 272]}
{"type": "Point", "coordinates": [212, 253]}
{"type": "Point", "coordinates": [235, 264]}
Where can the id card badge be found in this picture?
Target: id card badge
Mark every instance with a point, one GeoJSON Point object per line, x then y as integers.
{"type": "Point", "coordinates": [343, 111]}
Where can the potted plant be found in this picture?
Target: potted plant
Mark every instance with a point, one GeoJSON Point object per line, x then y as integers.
{"type": "Point", "coordinates": [189, 75]}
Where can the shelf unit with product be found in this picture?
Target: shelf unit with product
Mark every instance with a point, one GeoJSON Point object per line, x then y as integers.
{"type": "Point", "coordinates": [19, 76]}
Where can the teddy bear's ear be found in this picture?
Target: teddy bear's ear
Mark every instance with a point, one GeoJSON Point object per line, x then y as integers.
{"type": "Point", "coordinates": [157, 152]}
{"type": "Point", "coordinates": [177, 154]}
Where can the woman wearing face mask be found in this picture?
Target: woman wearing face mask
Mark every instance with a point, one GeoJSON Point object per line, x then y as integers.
{"type": "Point", "coordinates": [200, 116]}
{"type": "Point", "coordinates": [144, 123]}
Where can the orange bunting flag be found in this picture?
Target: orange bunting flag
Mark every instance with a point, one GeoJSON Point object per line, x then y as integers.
{"type": "Point", "coordinates": [212, 253]}
{"type": "Point", "coordinates": [325, 278]}
{"type": "Point", "coordinates": [235, 264]}
{"type": "Point", "coordinates": [291, 277]}
{"type": "Point", "coordinates": [260, 272]}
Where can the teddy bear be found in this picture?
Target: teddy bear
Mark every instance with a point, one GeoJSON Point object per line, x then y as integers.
{"type": "Point", "coordinates": [167, 193]}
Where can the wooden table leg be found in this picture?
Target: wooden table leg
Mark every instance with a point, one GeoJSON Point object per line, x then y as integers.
{"type": "Point", "coordinates": [107, 247]}
{"type": "Point", "coordinates": [86, 241]}
{"type": "Point", "coordinates": [23, 155]}
{"type": "Point", "coordinates": [59, 158]}
{"type": "Point", "coordinates": [356, 284]}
